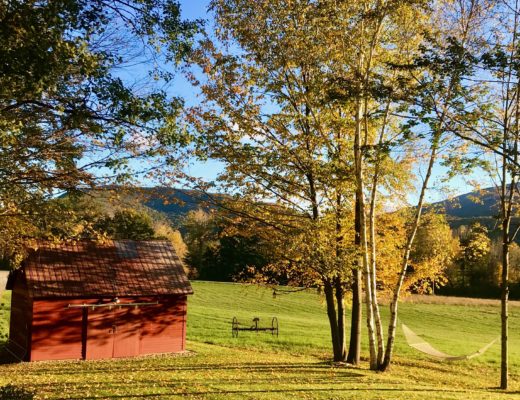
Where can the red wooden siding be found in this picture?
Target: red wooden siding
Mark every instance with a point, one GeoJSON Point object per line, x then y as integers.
{"type": "Point", "coordinates": [127, 333]}
{"type": "Point", "coordinates": [56, 331]}
{"type": "Point", "coordinates": [164, 328]}
{"type": "Point", "coordinates": [20, 323]}
{"type": "Point", "coordinates": [60, 333]}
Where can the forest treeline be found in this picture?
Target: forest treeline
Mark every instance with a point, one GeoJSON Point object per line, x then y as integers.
{"type": "Point", "coordinates": [468, 258]}
{"type": "Point", "coordinates": [215, 246]}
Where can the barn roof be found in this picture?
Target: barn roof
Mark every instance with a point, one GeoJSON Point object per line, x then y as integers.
{"type": "Point", "coordinates": [114, 268]}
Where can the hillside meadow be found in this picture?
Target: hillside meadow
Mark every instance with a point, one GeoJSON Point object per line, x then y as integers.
{"type": "Point", "coordinates": [294, 365]}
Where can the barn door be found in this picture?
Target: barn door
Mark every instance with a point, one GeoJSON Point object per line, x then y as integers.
{"type": "Point", "coordinates": [100, 333]}
{"type": "Point", "coordinates": [126, 335]}
{"type": "Point", "coordinates": [112, 332]}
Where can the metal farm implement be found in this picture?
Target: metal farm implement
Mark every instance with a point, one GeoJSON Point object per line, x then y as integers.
{"type": "Point", "coordinates": [236, 326]}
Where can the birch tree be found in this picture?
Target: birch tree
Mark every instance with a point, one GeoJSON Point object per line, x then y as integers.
{"type": "Point", "coordinates": [481, 108]}
{"type": "Point", "coordinates": [308, 105]}
{"type": "Point", "coordinates": [496, 134]}
{"type": "Point", "coordinates": [502, 134]}
{"type": "Point", "coordinates": [377, 89]}
{"type": "Point", "coordinates": [446, 61]}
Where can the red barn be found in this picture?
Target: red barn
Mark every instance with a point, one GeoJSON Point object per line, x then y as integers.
{"type": "Point", "coordinates": [87, 300]}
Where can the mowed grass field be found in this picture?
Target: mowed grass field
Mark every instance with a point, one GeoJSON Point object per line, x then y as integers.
{"type": "Point", "coordinates": [294, 365]}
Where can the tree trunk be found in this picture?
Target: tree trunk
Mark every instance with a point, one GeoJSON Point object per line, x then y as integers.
{"type": "Point", "coordinates": [333, 322]}
{"type": "Point", "coordinates": [354, 348]}
{"type": "Point", "coordinates": [358, 157]}
{"type": "Point", "coordinates": [373, 246]}
{"type": "Point", "coordinates": [338, 279]}
{"type": "Point", "coordinates": [507, 202]}
{"type": "Point", "coordinates": [504, 303]}
{"type": "Point", "coordinates": [340, 303]}
{"type": "Point", "coordinates": [392, 324]}
{"type": "Point", "coordinates": [373, 269]}
{"type": "Point", "coordinates": [376, 312]}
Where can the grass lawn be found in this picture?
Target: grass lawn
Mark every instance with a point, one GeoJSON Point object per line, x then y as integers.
{"type": "Point", "coordinates": [5, 301]}
{"type": "Point", "coordinates": [294, 365]}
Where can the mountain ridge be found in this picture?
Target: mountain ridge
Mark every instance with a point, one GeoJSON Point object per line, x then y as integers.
{"type": "Point", "coordinates": [174, 203]}
{"type": "Point", "coordinates": [477, 204]}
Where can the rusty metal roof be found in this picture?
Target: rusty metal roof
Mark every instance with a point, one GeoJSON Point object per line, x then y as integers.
{"type": "Point", "coordinates": [114, 268]}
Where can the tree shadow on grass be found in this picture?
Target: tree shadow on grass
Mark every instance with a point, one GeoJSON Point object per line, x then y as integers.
{"type": "Point", "coordinates": [84, 368]}
{"type": "Point", "coordinates": [432, 365]}
{"type": "Point", "coordinates": [257, 374]}
{"type": "Point", "coordinates": [178, 384]}
{"type": "Point", "coordinates": [266, 391]}
{"type": "Point", "coordinates": [311, 378]}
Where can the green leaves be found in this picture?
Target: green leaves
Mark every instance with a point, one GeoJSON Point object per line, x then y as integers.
{"type": "Point", "coordinates": [127, 224]}
{"type": "Point", "coordinates": [67, 119]}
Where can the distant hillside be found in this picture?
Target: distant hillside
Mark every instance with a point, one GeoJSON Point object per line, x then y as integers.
{"type": "Point", "coordinates": [483, 203]}
{"type": "Point", "coordinates": [171, 203]}
{"type": "Point", "coordinates": [480, 206]}
{"type": "Point", "coordinates": [176, 203]}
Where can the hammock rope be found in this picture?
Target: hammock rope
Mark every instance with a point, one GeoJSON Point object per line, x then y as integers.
{"type": "Point", "coordinates": [421, 345]}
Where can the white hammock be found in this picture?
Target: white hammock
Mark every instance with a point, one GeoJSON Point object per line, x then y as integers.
{"type": "Point", "coordinates": [419, 344]}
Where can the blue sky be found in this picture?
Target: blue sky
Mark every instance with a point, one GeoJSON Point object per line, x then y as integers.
{"type": "Point", "coordinates": [196, 9]}
{"type": "Point", "coordinates": [192, 9]}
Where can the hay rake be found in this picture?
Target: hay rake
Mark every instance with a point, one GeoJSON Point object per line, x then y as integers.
{"type": "Point", "coordinates": [236, 327]}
